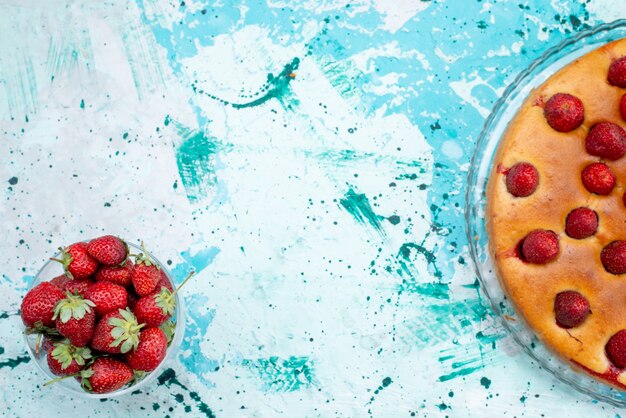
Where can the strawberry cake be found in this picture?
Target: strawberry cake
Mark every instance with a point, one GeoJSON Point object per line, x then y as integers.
{"type": "Point", "coordinates": [556, 212]}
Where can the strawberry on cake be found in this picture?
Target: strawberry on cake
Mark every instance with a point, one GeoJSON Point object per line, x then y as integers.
{"type": "Point", "coordinates": [556, 212]}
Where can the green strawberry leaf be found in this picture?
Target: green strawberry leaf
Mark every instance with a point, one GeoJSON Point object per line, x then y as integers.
{"type": "Point", "coordinates": [168, 327]}
{"type": "Point", "coordinates": [64, 352]}
{"type": "Point", "coordinates": [73, 306]}
{"type": "Point", "coordinates": [125, 331]}
{"type": "Point", "coordinates": [165, 300]}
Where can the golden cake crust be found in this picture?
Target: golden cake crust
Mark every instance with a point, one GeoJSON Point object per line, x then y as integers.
{"type": "Point", "coordinates": [560, 159]}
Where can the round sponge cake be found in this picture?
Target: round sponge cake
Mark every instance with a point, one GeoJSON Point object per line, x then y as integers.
{"type": "Point", "coordinates": [559, 159]}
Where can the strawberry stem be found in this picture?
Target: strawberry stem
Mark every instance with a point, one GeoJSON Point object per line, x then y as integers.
{"type": "Point", "coordinates": [56, 259]}
{"type": "Point", "coordinates": [136, 328]}
{"type": "Point", "coordinates": [37, 343]}
{"type": "Point", "coordinates": [183, 283]}
{"type": "Point", "coordinates": [58, 379]}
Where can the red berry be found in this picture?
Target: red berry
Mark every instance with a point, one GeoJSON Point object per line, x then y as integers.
{"type": "Point", "coordinates": [606, 140]}
{"type": "Point", "coordinates": [60, 281]}
{"type": "Point", "coordinates": [616, 349]}
{"type": "Point", "coordinates": [109, 250]}
{"type": "Point", "coordinates": [598, 178]}
{"type": "Point", "coordinates": [617, 72]}
{"type": "Point", "coordinates": [155, 308]}
{"type": "Point", "coordinates": [116, 274]}
{"type": "Point", "coordinates": [78, 286]}
{"type": "Point", "coordinates": [622, 106]}
{"type": "Point", "coordinates": [540, 246]}
{"type": "Point", "coordinates": [570, 308]}
{"type": "Point", "coordinates": [116, 332]}
{"type": "Point", "coordinates": [77, 262]}
{"type": "Point", "coordinates": [145, 277]}
{"type": "Point", "coordinates": [164, 281]}
{"type": "Point", "coordinates": [132, 299]}
{"type": "Point", "coordinates": [150, 352]}
{"type": "Point", "coordinates": [581, 223]}
{"type": "Point", "coordinates": [107, 297]}
{"type": "Point", "coordinates": [75, 319]}
{"type": "Point", "coordinates": [613, 257]}
{"type": "Point", "coordinates": [106, 375]}
{"type": "Point", "coordinates": [564, 112]}
{"type": "Point", "coordinates": [522, 180]}
{"type": "Point", "coordinates": [65, 359]}
{"type": "Point", "coordinates": [38, 305]}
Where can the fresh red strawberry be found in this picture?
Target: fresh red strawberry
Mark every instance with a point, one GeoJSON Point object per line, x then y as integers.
{"type": "Point", "coordinates": [570, 309]}
{"type": "Point", "coordinates": [617, 72]}
{"type": "Point", "coordinates": [65, 359]}
{"type": "Point", "coordinates": [598, 178]}
{"type": "Point", "coordinates": [616, 349]}
{"type": "Point", "coordinates": [60, 281]}
{"type": "Point", "coordinates": [132, 299]}
{"type": "Point", "coordinates": [105, 375]}
{"type": "Point", "coordinates": [622, 106]}
{"type": "Point", "coordinates": [159, 306]}
{"type": "Point", "coordinates": [540, 246]}
{"type": "Point", "coordinates": [116, 274]}
{"type": "Point", "coordinates": [164, 281]}
{"type": "Point", "coordinates": [108, 250]}
{"type": "Point", "coordinates": [150, 352]}
{"type": "Point", "coordinates": [78, 286]}
{"type": "Point", "coordinates": [146, 275]}
{"type": "Point", "coordinates": [116, 332]}
{"type": "Point", "coordinates": [581, 223]}
{"type": "Point", "coordinates": [613, 257]}
{"type": "Point", "coordinates": [155, 308]}
{"type": "Point", "coordinates": [564, 112]}
{"type": "Point", "coordinates": [522, 180]}
{"type": "Point", "coordinates": [75, 319]}
{"type": "Point", "coordinates": [77, 262]}
{"type": "Point", "coordinates": [107, 297]}
{"type": "Point", "coordinates": [606, 140]}
{"type": "Point", "coordinates": [37, 308]}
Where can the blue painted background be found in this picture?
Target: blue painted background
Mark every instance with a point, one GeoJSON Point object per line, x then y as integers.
{"type": "Point", "coordinates": [308, 159]}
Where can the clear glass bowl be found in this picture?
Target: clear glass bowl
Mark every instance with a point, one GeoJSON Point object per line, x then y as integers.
{"type": "Point", "coordinates": [495, 125]}
{"type": "Point", "coordinates": [71, 386]}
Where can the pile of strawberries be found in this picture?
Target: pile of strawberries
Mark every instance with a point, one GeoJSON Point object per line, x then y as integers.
{"type": "Point", "coordinates": [108, 320]}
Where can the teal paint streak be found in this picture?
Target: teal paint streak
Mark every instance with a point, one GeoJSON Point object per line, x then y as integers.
{"type": "Point", "coordinates": [276, 87]}
{"type": "Point", "coordinates": [284, 375]}
{"type": "Point", "coordinates": [443, 322]}
{"type": "Point", "coordinates": [14, 362]}
{"type": "Point", "coordinates": [168, 378]}
{"type": "Point", "coordinates": [358, 205]}
{"type": "Point", "coordinates": [82, 103]}
{"type": "Point", "coordinates": [432, 290]}
{"type": "Point", "coordinates": [468, 357]}
{"type": "Point", "coordinates": [195, 157]}
{"type": "Point", "coordinates": [406, 252]}
{"type": "Point", "coordinates": [459, 373]}
{"type": "Point", "coordinates": [386, 382]}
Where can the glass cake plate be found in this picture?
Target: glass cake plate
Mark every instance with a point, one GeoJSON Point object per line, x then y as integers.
{"type": "Point", "coordinates": [504, 110]}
